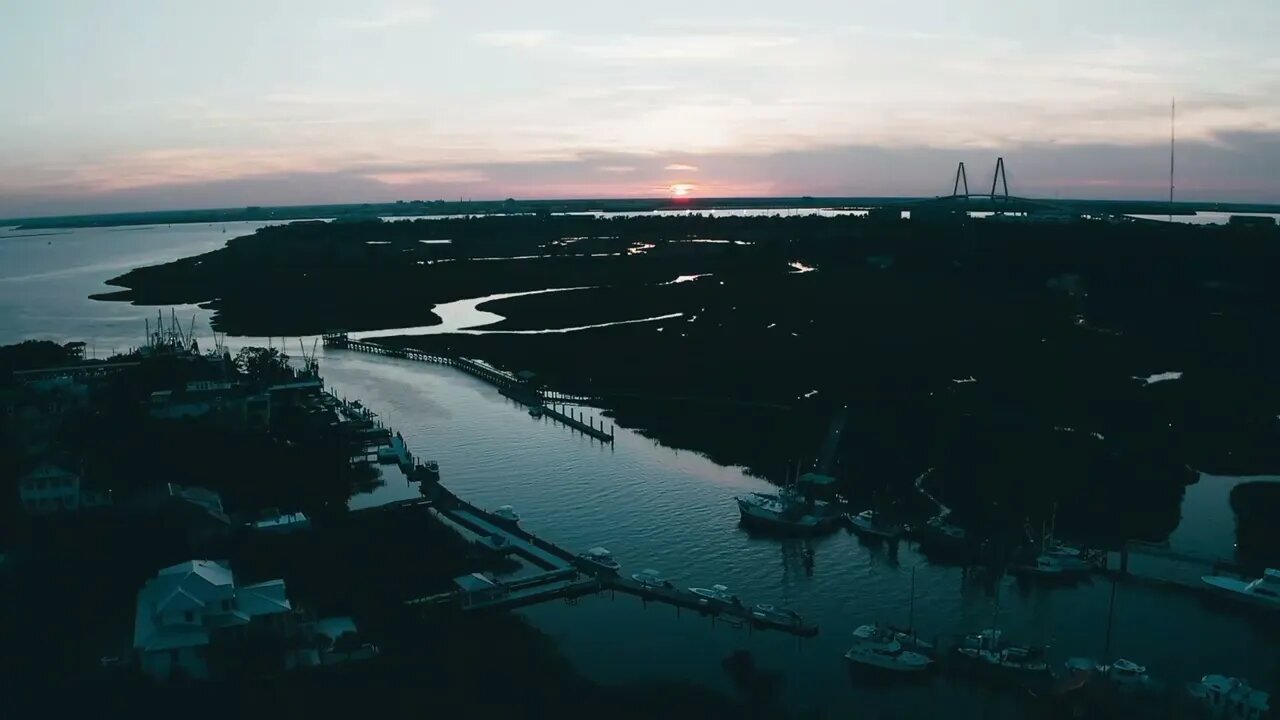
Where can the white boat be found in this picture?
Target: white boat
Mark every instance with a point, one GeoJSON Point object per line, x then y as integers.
{"type": "Point", "coordinates": [1049, 566]}
{"type": "Point", "coordinates": [1125, 673]}
{"type": "Point", "coordinates": [938, 531]}
{"type": "Point", "coordinates": [989, 649]}
{"type": "Point", "coordinates": [651, 578]}
{"type": "Point", "coordinates": [1013, 659]}
{"type": "Point", "coordinates": [715, 595]}
{"type": "Point", "coordinates": [869, 522]}
{"type": "Point", "coordinates": [776, 614]}
{"type": "Point", "coordinates": [787, 510]}
{"type": "Point", "coordinates": [507, 514]}
{"type": "Point", "coordinates": [1265, 591]}
{"type": "Point", "coordinates": [876, 647]}
{"type": "Point", "coordinates": [602, 559]}
{"type": "Point", "coordinates": [1229, 698]}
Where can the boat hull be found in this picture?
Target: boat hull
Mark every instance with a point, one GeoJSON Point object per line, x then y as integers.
{"type": "Point", "coordinates": [1234, 590]}
{"type": "Point", "coordinates": [864, 661]}
{"type": "Point", "coordinates": [752, 515]}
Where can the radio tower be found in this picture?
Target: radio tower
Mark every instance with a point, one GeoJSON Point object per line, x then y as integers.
{"type": "Point", "coordinates": [1173, 107]}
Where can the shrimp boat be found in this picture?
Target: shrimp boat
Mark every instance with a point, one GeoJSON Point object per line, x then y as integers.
{"type": "Point", "coordinates": [775, 614]}
{"type": "Point", "coordinates": [788, 510]}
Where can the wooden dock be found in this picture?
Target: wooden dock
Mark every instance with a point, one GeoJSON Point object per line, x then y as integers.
{"type": "Point", "coordinates": [567, 576]}
{"type": "Point", "coordinates": [565, 417]}
{"type": "Point", "coordinates": [684, 599]}
{"type": "Point", "coordinates": [509, 385]}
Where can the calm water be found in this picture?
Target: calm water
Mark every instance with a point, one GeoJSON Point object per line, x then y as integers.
{"type": "Point", "coordinates": [673, 510]}
{"type": "Point", "coordinates": [1206, 218]}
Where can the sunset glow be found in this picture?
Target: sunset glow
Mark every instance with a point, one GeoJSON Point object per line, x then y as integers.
{"type": "Point", "coordinates": [614, 105]}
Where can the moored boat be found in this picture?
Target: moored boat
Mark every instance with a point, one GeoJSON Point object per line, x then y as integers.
{"type": "Point", "coordinates": [715, 595]}
{"type": "Point", "coordinates": [507, 515]}
{"type": "Point", "coordinates": [872, 524]}
{"type": "Point", "coordinates": [651, 578]}
{"type": "Point", "coordinates": [1263, 592]}
{"type": "Point", "coordinates": [1228, 697]}
{"type": "Point", "coordinates": [877, 647]}
{"type": "Point", "coordinates": [601, 559]}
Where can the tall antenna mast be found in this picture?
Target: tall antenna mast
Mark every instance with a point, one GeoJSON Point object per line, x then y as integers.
{"type": "Point", "coordinates": [1173, 108]}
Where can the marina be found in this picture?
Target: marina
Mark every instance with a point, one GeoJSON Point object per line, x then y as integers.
{"type": "Point", "coordinates": [542, 403]}
{"type": "Point", "coordinates": [652, 503]}
{"type": "Point", "coordinates": [566, 576]}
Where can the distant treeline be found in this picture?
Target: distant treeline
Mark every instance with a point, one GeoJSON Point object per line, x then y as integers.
{"type": "Point", "coordinates": [427, 208]}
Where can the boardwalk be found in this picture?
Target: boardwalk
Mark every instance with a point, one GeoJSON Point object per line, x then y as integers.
{"type": "Point", "coordinates": [509, 385]}
{"type": "Point", "coordinates": [569, 576]}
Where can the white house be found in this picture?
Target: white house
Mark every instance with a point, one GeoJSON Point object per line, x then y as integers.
{"type": "Point", "coordinates": [51, 488]}
{"type": "Point", "coordinates": [191, 606]}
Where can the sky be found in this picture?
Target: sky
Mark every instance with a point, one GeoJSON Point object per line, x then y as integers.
{"type": "Point", "coordinates": [150, 104]}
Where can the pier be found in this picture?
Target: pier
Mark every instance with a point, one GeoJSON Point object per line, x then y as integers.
{"type": "Point", "coordinates": [1161, 566]}
{"type": "Point", "coordinates": [509, 385]}
{"type": "Point", "coordinates": [566, 576]}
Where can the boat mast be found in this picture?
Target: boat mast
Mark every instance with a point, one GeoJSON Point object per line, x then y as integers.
{"type": "Point", "coordinates": [1106, 652]}
{"type": "Point", "coordinates": [911, 611]}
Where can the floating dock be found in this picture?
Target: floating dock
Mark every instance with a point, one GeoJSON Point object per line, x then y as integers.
{"type": "Point", "coordinates": [567, 576]}
{"type": "Point", "coordinates": [587, 428]}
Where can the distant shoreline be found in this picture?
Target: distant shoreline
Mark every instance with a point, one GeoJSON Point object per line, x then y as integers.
{"type": "Point", "coordinates": [440, 207]}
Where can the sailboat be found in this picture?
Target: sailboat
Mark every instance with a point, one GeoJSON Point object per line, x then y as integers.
{"type": "Point", "coordinates": [988, 650]}
{"type": "Point", "coordinates": [1054, 560]}
{"type": "Point", "coordinates": [907, 636]}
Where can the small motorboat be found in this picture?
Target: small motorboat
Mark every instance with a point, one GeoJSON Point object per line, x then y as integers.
{"type": "Point", "coordinates": [651, 578]}
{"type": "Point", "coordinates": [870, 523]}
{"type": "Point", "coordinates": [1127, 673]}
{"type": "Point", "coordinates": [1264, 592]}
{"type": "Point", "coordinates": [988, 649]}
{"type": "Point", "coordinates": [601, 559]}
{"type": "Point", "coordinates": [507, 515]}
{"type": "Point", "coordinates": [1052, 567]}
{"type": "Point", "coordinates": [936, 531]}
{"type": "Point", "coordinates": [1228, 697]}
{"type": "Point", "coordinates": [775, 614]}
{"type": "Point", "coordinates": [715, 595]}
{"type": "Point", "coordinates": [535, 411]}
{"type": "Point", "coordinates": [1122, 672]}
{"type": "Point", "coordinates": [876, 647]}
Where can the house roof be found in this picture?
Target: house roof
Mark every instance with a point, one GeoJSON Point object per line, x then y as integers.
{"type": "Point", "coordinates": [46, 470]}
{"type": "Point", "coordinates": [335, 627]}
{"type": "Point", "coordinates": [212, 572]}
{"type": "Point", "coordinates": [265, 598]}
{"type": "Point", "coordinates": [200, 586]}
